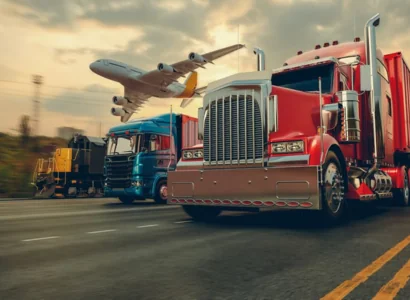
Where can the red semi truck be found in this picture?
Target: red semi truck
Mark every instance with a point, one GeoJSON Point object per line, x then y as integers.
{"type": "Point", "coordinates": [331, 125]}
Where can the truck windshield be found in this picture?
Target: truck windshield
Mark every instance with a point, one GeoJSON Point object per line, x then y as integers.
{"type": "Point", "coordinates": [124, 145]}
{"type": "Point", "coordinates": [306, 80]}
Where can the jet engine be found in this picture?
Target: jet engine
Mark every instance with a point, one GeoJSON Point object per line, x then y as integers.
{"type": "Point", "coordinates": [118, 112]}
{"type": "Point", "coordinates": [197, 58]}
{"type": "Point", "coordinates": [165, 68]}
{"type": "Point", "coordinates": [118, 100]}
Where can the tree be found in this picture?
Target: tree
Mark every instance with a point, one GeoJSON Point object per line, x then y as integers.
{"type": "Point", "coordinates": [25, 130]}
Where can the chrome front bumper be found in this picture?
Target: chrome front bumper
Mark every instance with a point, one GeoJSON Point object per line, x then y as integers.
{"type": "Point", "coordinates": [290, 187]}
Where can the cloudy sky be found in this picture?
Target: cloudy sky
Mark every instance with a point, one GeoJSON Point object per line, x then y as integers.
{"type": "Point", "coordinates": [58, 39]}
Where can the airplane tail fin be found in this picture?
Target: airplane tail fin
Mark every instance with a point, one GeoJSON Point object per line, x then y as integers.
{"type": "Point", "coordinates": [190, 85]}
{"type": "Point", "coordinates": [192, 81]}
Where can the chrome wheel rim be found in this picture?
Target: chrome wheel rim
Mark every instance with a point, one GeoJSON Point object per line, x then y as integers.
{"type": "Point", "coordinates": [333, 188]}
{"type": "Point", "coordinates": [163, 192]}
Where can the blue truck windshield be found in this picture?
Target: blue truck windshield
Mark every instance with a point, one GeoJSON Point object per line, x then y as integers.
{"type": "Point", "coordinates": [306, 80]}
{"type": "Point", "coordinates": [138, 143]}
{"type": "Point", "coordinates": [122, 145]}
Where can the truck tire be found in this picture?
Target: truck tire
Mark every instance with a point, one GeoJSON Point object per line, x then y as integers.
{"type": "Point", "coordinates": [126, 199]}
{"type": "Point", "coordinates": [334, 206]}
{"type": "Point", "coordinates": [201, 213]}
{"type": "Point", "coordinates": [161, 192]}
{"type": "Point", "coordinates": [401, 196]}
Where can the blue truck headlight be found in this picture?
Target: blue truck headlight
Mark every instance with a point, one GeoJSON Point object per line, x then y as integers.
{"type": "Point", "coordinates": [137, 183]}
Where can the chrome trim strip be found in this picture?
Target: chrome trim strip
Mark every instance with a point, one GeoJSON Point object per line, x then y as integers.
{"type": "Point", "coordinates": [190, 163]}
{"type": "Point", "coordinates": [246, 78]}
{"type": "Point", "coordinates": [289, 159]}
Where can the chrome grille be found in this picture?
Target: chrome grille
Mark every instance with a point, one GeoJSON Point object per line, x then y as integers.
{"type": "Point", "coordinates": [233, 130]}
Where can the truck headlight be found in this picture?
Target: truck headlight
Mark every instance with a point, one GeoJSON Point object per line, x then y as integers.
{"type": "Point", "coordinates": [193, 154]}
{"type": "Point", "coordinates": [278, 147]}
{"type": "Point", "coordinates": [198, 153]}
{"type": "Point", "coordinates": [187, 154]}
{"type": "Point", "coordinates": [137, 183]}
{"type": "Point", "coordinates": [286, 147]}
{"type": "Point", "coordinates": [297, 146]}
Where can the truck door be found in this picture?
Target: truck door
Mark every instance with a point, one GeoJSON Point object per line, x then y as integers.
{"type": "Point", "coordinates": [156, 158]}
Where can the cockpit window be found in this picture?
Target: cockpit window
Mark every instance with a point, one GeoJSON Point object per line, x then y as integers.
{"type": "Point", "coordinates": [306, 79]}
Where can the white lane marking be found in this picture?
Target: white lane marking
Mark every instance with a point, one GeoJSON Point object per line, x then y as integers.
{"type": "Point", "coordinates": [182, 222]}
{"type": "Point", "coordinates": [145, 226]}
{"type": "Point", "coordinates": [42, 238]}
{"type": "Point", "coordinates": [101, 231]}
{"type": "Point", "coordinates": [90, 212]}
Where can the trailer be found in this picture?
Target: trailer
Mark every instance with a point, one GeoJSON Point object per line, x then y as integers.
{"type": "Point", "coordinates": [75, 171]}
{"type": "Point", "coordinates": [329, 127]}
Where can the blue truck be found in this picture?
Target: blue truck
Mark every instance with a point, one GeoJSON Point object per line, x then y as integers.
{"type": "Point", "coordinates": [140, 153]}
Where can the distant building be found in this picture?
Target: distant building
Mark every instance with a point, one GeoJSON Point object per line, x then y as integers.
{"type": "Point", "coordinates": [68, 132]}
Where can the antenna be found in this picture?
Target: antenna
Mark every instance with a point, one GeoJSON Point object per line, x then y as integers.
{"type": "Point", "coordinates": [354, 23]}
{"type": "Point", "coordinates": [238, 51]}
{"type": "Point", "coordinates": [38, 81]}
{"type": "Point", "coordinates": [170, 138]}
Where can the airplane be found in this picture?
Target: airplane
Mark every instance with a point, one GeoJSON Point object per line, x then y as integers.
{"type": "Point", "coordinates": [140, 85]}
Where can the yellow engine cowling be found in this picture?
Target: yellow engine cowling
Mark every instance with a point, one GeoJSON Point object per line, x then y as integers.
{"type": "Point", "coordinates": [63, 159]}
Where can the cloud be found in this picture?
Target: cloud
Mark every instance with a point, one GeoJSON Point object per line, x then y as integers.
{"type": "Point", "coordinates": [65, 36]}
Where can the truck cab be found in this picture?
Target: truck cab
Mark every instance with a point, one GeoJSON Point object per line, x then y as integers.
{"type": "Point", "coordinates": [140, 153]}
{"type": "Point", "coordinates": [327, 127]}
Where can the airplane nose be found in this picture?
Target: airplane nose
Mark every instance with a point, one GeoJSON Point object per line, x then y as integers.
{"type": "Point", "coordinates": [93, 66]}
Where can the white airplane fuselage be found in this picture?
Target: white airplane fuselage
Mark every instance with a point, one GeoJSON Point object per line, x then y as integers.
{"type": "Point", "coordinates": [129, 76]}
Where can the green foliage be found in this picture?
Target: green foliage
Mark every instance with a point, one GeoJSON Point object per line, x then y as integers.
{"type": "Point", "coordinates": [17, 162]}
{"type": "Point", "coordinates": [25, 130]}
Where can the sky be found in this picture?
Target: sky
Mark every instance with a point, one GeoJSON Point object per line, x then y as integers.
{"type": "Point", "coordinates": [59, 39]}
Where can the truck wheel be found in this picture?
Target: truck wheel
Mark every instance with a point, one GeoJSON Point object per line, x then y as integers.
{"type": "Point", "coordinates": [161, 192]}
{"type": "Point", "coordinates": [401, 196]}
{"type": "Point", "coordinates": [126, 199]}
{"type": "Point", "coordinates": [200, 213]}
{"type": "Point", "coordinates": [333, 199]}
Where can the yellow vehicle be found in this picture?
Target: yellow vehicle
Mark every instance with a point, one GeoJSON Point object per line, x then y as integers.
{"type": "Point", "coordinates": [75, 171]}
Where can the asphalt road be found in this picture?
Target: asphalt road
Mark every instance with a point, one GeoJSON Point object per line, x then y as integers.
{"type": "Point", "coordinates": [102, 249]}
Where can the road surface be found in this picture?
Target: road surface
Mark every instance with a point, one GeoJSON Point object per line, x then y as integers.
{"type": "Point", "coordinates": [102, 249]}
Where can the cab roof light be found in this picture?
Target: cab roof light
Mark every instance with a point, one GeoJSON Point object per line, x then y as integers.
{"type": "Point", "coordinates": [300, 52]}
{"type": "Point", "coordinates": [326, 45]}
{"type": "Point", "coordinates": [335, 43]}
{"type": "Point", "coordinates": [317, 47]}
{"type": "Point", "coordinates": [356, 39]}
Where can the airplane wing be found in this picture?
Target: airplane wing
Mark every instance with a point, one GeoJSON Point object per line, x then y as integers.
{"type": "Point", "coordinates": [135, 101]}
{"type": "Point", "coordinates": [171, 73]}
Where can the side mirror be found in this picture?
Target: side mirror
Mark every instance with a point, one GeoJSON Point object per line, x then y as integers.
{"type": "Point", "coordinates": [331, 115]}
{"type": "Point", "coordinates": [365, 80]}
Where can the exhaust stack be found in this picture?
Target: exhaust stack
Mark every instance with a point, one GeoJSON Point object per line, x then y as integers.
{"type": "Point", "coordinates": [260, 58]}
{"type": "Point", "coordinates": [375, 92]}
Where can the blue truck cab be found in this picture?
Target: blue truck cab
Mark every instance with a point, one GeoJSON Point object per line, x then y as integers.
{"type": "Point", "coordinates": [140, 153]}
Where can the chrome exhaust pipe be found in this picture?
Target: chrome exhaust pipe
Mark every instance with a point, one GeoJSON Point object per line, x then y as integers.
{"type": "Point", "coordinates": [375, 92]}
{"type": "Point", "coordinates": [260, 58]}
